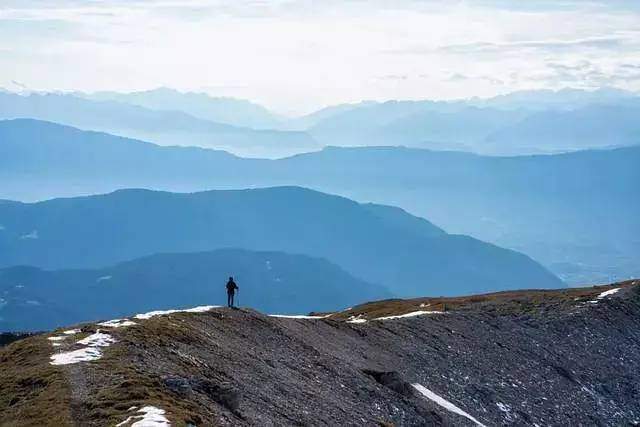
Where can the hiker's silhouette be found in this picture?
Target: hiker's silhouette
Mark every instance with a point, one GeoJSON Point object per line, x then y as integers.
{"type": "Point", "coordinates": [231, 291]}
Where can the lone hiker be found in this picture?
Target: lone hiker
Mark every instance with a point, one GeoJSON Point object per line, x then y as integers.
{"type": "Point", "coordinates": [231, 291]}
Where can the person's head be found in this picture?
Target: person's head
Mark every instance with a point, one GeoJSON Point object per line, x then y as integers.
{"type": "Point", "coordinates": [230, 279]}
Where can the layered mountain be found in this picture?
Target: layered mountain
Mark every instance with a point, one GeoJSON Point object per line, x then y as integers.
{"type": "Point", "coordinates": [565, 99]}
{"type": "Point", "coordinates": [164, 127]}
{"type": "Point", "coordinates": [378, 244]}
{"type": "Point", "coordinates": [237, 112]}
{"type": "Point", "coordinates": [528, 122]}
{"type": "Point", "coordinates": [587, 127]}
{"type": "Point", "coordinates": [560, 209]}
{"type": "Point", "coordinates": [272, 282]}
{"type": "Point", "coordinates": [515, 358]}
{"type": "Point", "coordinates": [556, 208]}
{"type": "Point", "coordinates": [424, 124]}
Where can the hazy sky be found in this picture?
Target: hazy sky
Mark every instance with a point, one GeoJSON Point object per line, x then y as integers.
{"type": "Point", "coordinates": [297, 55]}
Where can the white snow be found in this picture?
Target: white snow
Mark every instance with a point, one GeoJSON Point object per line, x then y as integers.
{"type": "Point", "coordinates": [117, 323]}
{"type": "Point", "coordinates": [55, 339]}
{"type": "Point", "coordinates": [412, 314]}
{"type": "Point", "coordinates": [443, 402]}
{"type": "Point", "coordinates": [297, 316]}
{"type": "Point", "coordinates": [357, 319]}
{"type": "Point", "coordinates": [607, 293]}
{"type": "Point", "coordinates": [97, 340]}
{"type": "Point", "coordinates": [151, 417]}
{"type": "Point", "coordinates": [102, 278]}
{"type": "Point", "coordinates": [32, 235]}
{"type": "Point", "coordinates": [86, 354]}
{"type": "Point", "coordinates": [90, 352]}
{"type": "Point", "coordinates": [604, 295]}
{"type": "Point", "coordinates": [199, 309]}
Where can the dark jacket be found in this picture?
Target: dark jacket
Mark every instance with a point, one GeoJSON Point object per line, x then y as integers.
{"type": "Point", "coordinates": [231, 287]}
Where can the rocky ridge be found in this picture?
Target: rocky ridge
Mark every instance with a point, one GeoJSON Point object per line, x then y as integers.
{"type": "Point", "coordinates": [566, 357]}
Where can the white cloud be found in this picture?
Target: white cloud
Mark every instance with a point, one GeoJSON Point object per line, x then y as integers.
{"type": "Point", "coordinates": [296, 55]}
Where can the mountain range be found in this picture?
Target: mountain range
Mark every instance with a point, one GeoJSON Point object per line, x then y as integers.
{"type": "Point", "coordinates": [273, 282]}
{"type": "Point", "coordinates": [527, 122]}
{"type": "Point", "coordinates": [555, 208]}
{"type": "Point", "coordinates": [375, 243]}
{"type": "Point", "coordinates": [233, 111]}
{"type": "Point", "coordinates": [484, 130]}
{"type": "Point", "coordinates": [165, 127]}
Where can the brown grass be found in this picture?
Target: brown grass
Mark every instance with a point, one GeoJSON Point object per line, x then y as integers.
{"type": "Point", "coordinates": [32, 389]}
{"type": "Point", "coordinates": [506, 302]}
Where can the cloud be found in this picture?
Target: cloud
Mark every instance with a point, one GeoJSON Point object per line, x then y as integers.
{"type": "Point", "coordinates": [302, 54]}
{"type": "Point", "coordinates": [393, 77]}
{"type": "Point", "coordinates": [540, 45]}
{"type": "Point", "coordinates": [457, 77]}
{"type": "Point", "coordinates": [585, 74]}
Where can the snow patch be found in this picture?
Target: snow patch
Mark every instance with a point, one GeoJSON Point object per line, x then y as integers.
{"type": "Point", "coordinates": [90, 352]}
{"type": "Point", "coordinates": [151, 417]}
{"type": "Point", "coordinates": [117, 323]}
{"type": "Point", "coordinates": [33, 235]}
{"type": "Point", "coordinates": [357, 319]}
{"type": "Point", "coordinates": [55, 340]}
{"type": "Point", "coordinates": [200, 309]}
{"type": "Point", "coordinates": [604, 295]}
{"type": "Point", "coordinates": [443, 402]}
{"type": "Point", "coordinates": [607, 293]}
{"type": "Point", "coordinates": [412, 314]}
{"type": "Point", "coordinates": [297, 316]}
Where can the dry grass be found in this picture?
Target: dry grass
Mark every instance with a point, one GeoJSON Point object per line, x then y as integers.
{"type": "Point", "coordinates": [31, 388]}
{"type": "Point", "coordinates": [507, 302]}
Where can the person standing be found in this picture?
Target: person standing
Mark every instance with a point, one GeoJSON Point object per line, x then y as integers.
{"type": "Point", "coordinates": [231, 291]}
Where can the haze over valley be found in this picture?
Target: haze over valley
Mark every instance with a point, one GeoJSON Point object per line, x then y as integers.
{"type": "Point", "coordinates": [288, 212]}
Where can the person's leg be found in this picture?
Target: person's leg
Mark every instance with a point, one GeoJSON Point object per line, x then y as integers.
{"type": "Point", "coordinates": [229, 299]}
{"type": "Point", "coordinates": [232, 295]}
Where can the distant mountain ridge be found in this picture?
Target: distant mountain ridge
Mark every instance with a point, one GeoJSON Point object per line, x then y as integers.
{"type": "Point", "coordinates": [556, 208]}
{"type": "Point", "coordinates": [380, 245]}
{"type": "Point", "coordinates": [164, 127]}
{"type": "Point", "coordinates": [525, 122]}
{"type": "Point", "coordinates": [273, 282]}
{"type": "Point", "coordinates": [232, 111]}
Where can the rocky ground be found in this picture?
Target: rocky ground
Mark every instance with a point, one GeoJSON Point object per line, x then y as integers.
{"type": "Point", "coordinates": [567, 357]}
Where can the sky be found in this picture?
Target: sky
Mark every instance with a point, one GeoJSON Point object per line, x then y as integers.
{"type": "Point", "coordinates": [295, 56]}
